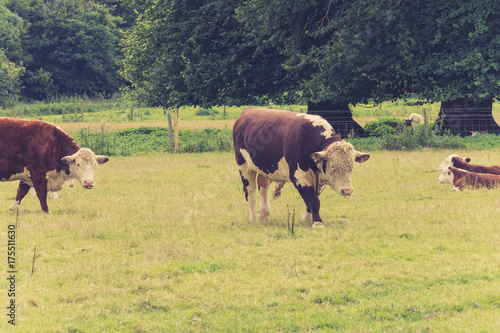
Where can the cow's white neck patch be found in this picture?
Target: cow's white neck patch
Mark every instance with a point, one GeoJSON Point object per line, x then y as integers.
{"type": "Point", "coordinates": [319, 121]}
{"type": "Point", "coordinates": [305, 178]}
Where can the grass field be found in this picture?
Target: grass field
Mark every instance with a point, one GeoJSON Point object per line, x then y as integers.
{"type": "Point", "coordinates": [163, 244]}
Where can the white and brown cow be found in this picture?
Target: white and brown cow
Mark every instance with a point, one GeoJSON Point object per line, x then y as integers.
{"type": "Point", "coordinates": [463, 163]}
{"type": "Point", "coordinates": [462, 179]}
{"type": "Point", "coordinates": [32, 150]}
{"type": "Point", "coordinates": [283, 146]}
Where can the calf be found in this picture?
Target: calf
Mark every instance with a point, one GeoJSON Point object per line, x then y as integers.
{"type": "Point", "coordinates": [462, 179]}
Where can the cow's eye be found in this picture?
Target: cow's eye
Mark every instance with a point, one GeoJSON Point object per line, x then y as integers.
{"type": "Point", "coordinates": [77, 164]}
{"type": "Point", "coordinates": [333, 167]}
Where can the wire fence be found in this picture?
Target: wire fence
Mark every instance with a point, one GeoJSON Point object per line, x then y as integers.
{"type": "Point", "coordinates": [463, 122]}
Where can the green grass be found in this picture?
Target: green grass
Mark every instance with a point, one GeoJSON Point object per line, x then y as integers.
{"type": "Point", "coordinates": [163, 244]}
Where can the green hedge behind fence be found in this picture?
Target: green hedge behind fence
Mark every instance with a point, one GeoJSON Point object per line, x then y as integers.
{"type": "Point", "coordinates": [146, 140]}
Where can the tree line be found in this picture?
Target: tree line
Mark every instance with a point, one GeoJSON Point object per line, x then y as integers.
{"type": "Point", "coordinates": [51, 48]}
{"type": "Point", "coordinates": [331, 53]}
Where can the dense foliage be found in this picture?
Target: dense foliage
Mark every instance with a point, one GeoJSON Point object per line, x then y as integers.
{"type": "Point", "coordinates": [10, 72]}
{"type": "Point", "coordinates": [194, 53]}
{"type": "Point", "coordinates": [346, 52]}
{"type": "Point", "coordinates": [68, 47]}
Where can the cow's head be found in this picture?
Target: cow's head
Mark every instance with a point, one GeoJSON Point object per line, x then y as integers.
{"type": "Point", "coordinates": [447, 162]}
{"type": "Point", "coordinates": [452, 159]}
{"type": "Point", "coordinates": [446, 176]}
{"type": "Point", "coordinates": [82, 164]}
{"type": "Point", "coordinates": [336, 163]}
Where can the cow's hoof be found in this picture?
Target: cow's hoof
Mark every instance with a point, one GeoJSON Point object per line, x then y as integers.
{"type": "Point", "coordinates": [318, 225]}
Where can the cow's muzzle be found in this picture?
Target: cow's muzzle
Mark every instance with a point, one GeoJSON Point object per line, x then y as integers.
{"type": "Point", "coordinates": [88, 184]}
{"type": "Point", "coordinates": [346, 192]}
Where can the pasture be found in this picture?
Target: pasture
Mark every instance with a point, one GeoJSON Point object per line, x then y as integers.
{"type": "Point", "coordinates": [163, 244]}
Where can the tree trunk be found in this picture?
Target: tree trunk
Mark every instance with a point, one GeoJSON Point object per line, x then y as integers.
{"type": "Point", "coordinates": [464, 116]}
{"type": "Point", "coordinates": [339, 116]}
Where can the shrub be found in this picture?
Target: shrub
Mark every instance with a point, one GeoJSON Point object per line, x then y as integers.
{"type": "Point", "coordinates": [206, 112]}
{"type": "Point", "coordinates": [383, 127]}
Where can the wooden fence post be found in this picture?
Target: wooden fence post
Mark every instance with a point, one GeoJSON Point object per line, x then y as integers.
{"type": "Point", "coordinates": [170, 132]}
{"type": "Point", "coordinates": [176, 130]}
{"type": "Point", "coordinates": [81, 109]}
{"type": "Point", "coordinates": [426, 129]}
{"type": "Point", "coordinates": [132, 112]}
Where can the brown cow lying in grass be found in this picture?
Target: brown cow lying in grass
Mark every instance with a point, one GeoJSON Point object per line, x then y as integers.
{"type": "Point", "coordinates": [465, 165]}
{"type": "Point", "coordinates": [462, 179]}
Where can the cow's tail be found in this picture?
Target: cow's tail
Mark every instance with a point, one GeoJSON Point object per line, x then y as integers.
{"type": "Point", "coordinates": [277, 189]}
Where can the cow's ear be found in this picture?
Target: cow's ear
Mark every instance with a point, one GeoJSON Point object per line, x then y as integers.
{"type": "Point", "coordinates": [360, 157]}
{"type": "Point", "coordinates": [101, 159]}
{"type": "Point", "coordinates": [318, 156]}
{"type": "Point", "coordinates": [68, 160]}
{"type": "Point", "coordinates": [467, 159]}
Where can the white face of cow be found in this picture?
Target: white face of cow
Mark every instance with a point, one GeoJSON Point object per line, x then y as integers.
{"type": "Point", "coordinates": [82, 164]}
{"type": "Point", "coordinates": [336, 164]}
{"type": "Point", "coordinates": [446, 176]}
{"type": "Point", "coordinates": [447, 162]}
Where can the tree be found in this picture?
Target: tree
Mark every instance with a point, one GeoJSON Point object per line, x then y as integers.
{"type": "Point", "coordinates": [194, 53]}
{"type": "Point", "coordinates": [71, 47]}
{"type": "Point", "coordinates": [336, 53]}
{"type": "Point", "coordinates": [9, 79]}
{"type": "Point", "coordinates": [456, 60]}
{"type": "Point", "coordinates": [11, 68]}
{"type": "Point", "coordinates": [360, 50]}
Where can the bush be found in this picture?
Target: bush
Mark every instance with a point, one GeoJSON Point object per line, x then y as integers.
{"type": "Point", "coordinates": [383, 127]}
{"type": "Point", "coordinates": [206, 112]}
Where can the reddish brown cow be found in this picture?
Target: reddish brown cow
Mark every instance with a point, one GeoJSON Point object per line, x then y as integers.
{"type": "Point", "coordinates": [462, 179]}
{"type": "Point", "coordinates": [29, 149]}
{"type": "Point", "coordinates": [463, 164]}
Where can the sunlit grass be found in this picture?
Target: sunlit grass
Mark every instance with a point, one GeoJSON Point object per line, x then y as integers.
{"type": "Point", "coordinates": [163, 243]}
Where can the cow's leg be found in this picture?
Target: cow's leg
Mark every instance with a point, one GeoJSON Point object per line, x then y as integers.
{"type": "Point", "coordinates": [22, 190]}
{"type": "Point", "coordinates": [248, 177]}
{"type": "Point", "coordinates": [307, 217]}
{"type": "Point", "coordinates": [40, 184]}
{"type": "Point", "coordinates": [264, 184]}
{"type": "Point", "coordinates": [312, 202]}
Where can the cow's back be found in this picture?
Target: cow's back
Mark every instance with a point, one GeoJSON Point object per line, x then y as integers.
{"type": "Point", "coordinates": [269, 135]}
{"type": "Point", "coordinates": [32, 144]}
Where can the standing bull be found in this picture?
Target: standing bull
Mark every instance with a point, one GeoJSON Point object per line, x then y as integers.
{"type": "Point", "coordinates": [33, 151]}
{"type": "Point", "coordinates": [283, 146]}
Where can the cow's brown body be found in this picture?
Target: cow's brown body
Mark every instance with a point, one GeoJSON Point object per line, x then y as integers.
{"type": "Point", "coordinates": [283, 146]}
{"type": "Point", "coordinates": [463, 164]}
{"type": "Point", "coordinates": [472, 180]}
{"type": "Point", "coordinates": [29, 149]}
